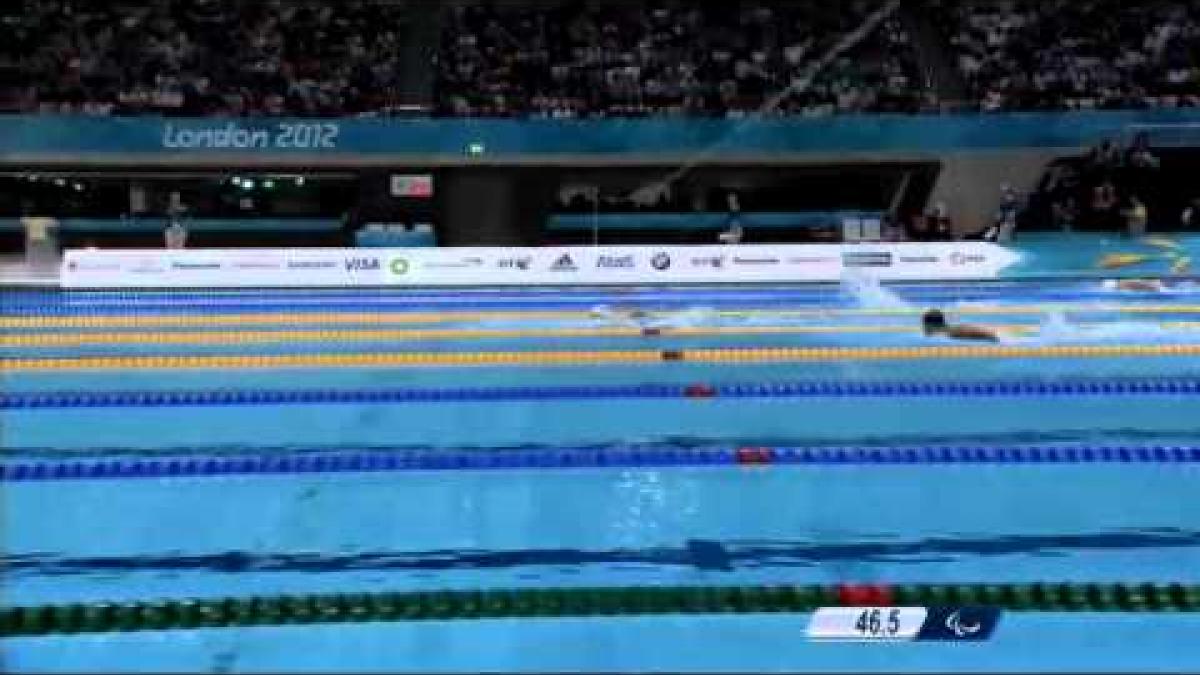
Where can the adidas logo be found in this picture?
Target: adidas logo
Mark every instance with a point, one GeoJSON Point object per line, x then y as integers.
{"type": "Point", "coordinates": [564, 264]}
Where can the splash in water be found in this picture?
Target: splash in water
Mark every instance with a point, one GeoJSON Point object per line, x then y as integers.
{"type": "Point", "coordinates": [868, 293]}
{"type": "Point", "coordinates": [1057, 328]}
{"type": "Point", "coordinates": [693, 316]}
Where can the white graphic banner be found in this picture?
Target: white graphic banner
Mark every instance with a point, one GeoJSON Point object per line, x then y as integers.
{"type": "Point", "coordinates": [323, 267]}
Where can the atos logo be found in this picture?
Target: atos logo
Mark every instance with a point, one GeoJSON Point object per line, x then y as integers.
{"type": "Point", "coordinates": [615, 262]}
{"type": "Point", "coordinates": [362, 264]}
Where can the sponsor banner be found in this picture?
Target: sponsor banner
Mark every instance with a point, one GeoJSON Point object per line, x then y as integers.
{"type": "Point", "coordinates": [530, 266]}
{"type": "Point", "coordinates": [451, 140]}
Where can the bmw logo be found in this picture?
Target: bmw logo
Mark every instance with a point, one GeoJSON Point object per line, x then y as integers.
{"type": "Point", "coordinates": [661, 261]}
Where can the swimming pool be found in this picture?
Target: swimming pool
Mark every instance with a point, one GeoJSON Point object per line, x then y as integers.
{"type": "Point", "coordinates": [239, 443]}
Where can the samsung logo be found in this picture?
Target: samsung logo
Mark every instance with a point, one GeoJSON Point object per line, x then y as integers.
{"type": "Point", "coordinates": [311, 264]}
{"type": "Point", "coordinates": [615, 262]}
{"type": "Point", "coordinates": [957, 258]}
{"type": "Point", "coordinates": [867, 259]}
{"type": "Point", "coordinates": [228, 136]}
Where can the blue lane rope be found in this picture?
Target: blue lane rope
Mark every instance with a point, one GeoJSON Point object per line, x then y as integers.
{"type": "Point", "coordinates": [581, 458]}
{"type": "Point", "coordinates": [808, 389]}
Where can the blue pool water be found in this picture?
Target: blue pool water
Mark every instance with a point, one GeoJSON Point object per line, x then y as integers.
{"type": "Point", "coordinates": [112, 539]}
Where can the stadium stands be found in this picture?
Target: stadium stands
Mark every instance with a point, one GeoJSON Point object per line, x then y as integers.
{"type": "Point", "coordinates": [637, 60]}
{"type": "Point", "coordinates": [1074, 54]}
{"type": "Point", "coordinates": [199, 57]}
{"type": "Point", "coordinates": [561, 59]}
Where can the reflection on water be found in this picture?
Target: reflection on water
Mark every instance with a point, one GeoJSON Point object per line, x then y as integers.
{"type": "Point", "coordinates": [702, 554]}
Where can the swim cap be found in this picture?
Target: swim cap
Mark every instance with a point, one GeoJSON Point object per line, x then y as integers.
{"type": "Point", "coordinates": [933, 318]}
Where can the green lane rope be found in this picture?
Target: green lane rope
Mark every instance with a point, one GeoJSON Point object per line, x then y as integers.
{"type": "Point", "coordinates": [108, 617]}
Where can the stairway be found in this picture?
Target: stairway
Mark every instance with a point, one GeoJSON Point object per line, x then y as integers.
{"type": "Point", "coordinates": [939, 71]}
{"type": "Point", "coordinates": [420, 40]}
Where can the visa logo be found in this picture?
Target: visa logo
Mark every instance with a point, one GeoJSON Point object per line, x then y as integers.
{"type": "Point", "coordinates": [362, 264]}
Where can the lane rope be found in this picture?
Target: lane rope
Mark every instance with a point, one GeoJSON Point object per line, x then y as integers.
{"type": "Point", "coordinates": [1107, 387]}
{"type": "Point", "coordinates": [560, 458]}
{"type": "Point", "coordinates": [413, 335]}
{"type": "Point", "coordinates": [595, 357]}
{"type": "Point", "coordinates": [276, 610]}
{"type": "Point", "coordinates": [268, 336]}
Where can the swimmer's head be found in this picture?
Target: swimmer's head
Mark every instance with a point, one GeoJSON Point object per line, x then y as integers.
{"type": "Point", "coordinates": [933, 321]}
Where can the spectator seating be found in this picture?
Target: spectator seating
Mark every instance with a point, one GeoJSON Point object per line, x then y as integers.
{"type": "Point", "coordinates": [630, 59]}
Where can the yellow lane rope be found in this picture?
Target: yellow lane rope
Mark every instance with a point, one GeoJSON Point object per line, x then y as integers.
{"type": "Point", "coordinates": [281, 318]}
{"type": "Point", "coordinates": [414, 335]}
{"type": "Point", "coordinates": [266, 336]}
{"type": "Point", "coordinates": [549, 358]}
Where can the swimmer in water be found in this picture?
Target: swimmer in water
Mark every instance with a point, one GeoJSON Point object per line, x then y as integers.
{"type": "Point", "coordinates": [628, 317]}
{"type": "Point", "coordinates": [934, 323]}
{"type": "Point", "coordinates": [1136, 285]}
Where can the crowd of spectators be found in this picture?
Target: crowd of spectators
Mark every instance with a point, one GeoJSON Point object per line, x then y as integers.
{"type": "Point", "coordinates": [570, 58]}
{"type": "Point", "coordinates": [199, 57]}
{"type": "Point", "coordinates": [1110, 189]}
{"type": "Point", "coordinates": [632, 59]}
{"type": "Point", "coordinates": [1074, 54]}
